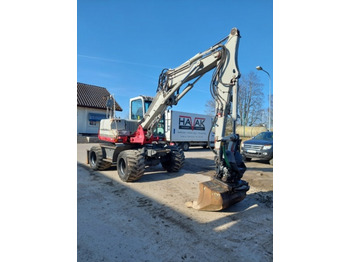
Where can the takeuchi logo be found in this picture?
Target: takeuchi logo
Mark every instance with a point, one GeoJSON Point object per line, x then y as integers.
{"type": "Point", "coordinates": [185, 122]}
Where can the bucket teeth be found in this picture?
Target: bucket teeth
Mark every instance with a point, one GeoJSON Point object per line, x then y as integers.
{"type": "Point", "coordinates": [215, 195]}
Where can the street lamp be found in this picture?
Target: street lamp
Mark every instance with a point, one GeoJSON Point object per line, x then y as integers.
{"type": "Point", "coordinates": [269, 99]}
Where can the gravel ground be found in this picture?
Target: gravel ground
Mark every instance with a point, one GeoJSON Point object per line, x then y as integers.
{"type": "Point", "coordinates": [148, 220]}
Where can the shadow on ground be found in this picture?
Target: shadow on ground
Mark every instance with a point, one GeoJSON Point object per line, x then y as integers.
{"type": "Point", "coordinates": [109, 199]}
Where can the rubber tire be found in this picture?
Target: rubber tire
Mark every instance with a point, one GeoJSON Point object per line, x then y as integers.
{"type": "Point", "coordinates": [185, 146]}
{"type": "Point", "coordinates": [174, 161]}
{"type": "Point", "coordinates": [271, 161]}
{"type": "Point", "coordinates": [96, 159]}
{"type": "Point", "coordinates": [130, 165]}
{"type": "Point", "coordinates": [246, 159]}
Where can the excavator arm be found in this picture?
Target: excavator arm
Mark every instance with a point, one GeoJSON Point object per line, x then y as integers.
{"type": "Point", "coordinates": [136, 147]}
{"type": "Point", "coordinates": [226, 187]}
{"type": "Point", "coordinates": [223, 57]}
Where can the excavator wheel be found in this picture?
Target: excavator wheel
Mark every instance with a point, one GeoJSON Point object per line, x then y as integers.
{"type": "Point", "coordinates": [174, 161]}
{"type": "Point", "coordinates": [130, 165]}
{"type": "Point", "coordinates": [96, 159]}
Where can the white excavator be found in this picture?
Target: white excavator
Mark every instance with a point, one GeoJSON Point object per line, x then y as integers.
{"type": "Point", "coordinates": [132, 145]}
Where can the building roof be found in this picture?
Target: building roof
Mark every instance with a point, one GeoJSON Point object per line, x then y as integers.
{"type": "Point", "coordinates": [94, 97]}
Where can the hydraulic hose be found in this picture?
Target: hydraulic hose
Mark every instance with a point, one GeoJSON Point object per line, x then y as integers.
{"type": "Point", "coordinates": [211, 128]}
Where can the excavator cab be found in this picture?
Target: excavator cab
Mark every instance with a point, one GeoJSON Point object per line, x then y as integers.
{"type": "Point", "coordinates": [138, 107]}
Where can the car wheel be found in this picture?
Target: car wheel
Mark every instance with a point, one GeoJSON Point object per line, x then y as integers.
{"type": "Point", "coordinates": [185, 146]}
{"type": "Point", "coordinates": [247, 159]}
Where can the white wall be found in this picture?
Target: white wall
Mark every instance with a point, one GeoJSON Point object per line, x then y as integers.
{"type": "Point", "coordinates": [83, 125]}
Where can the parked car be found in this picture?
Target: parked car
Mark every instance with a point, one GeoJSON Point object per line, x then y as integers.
{"type": "Point", "coordinates": [260, 146]}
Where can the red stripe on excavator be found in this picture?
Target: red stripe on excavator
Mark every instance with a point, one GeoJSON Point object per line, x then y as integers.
{"type": "Point", "coordinates": [108, 139]}
{"type": "Point", "coordinates": [137, 138]}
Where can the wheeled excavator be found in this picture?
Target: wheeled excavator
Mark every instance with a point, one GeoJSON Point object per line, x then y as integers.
{"type": "Point", "coordinates": [132, 145]}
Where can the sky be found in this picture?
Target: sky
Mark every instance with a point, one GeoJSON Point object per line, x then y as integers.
{"type": "Point", "coordinates": [124, 45]}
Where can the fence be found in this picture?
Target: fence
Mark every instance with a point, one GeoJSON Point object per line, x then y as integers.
{"type": "Point", "coordinates": [250, 131]}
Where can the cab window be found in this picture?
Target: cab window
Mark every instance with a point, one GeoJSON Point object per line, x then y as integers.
{"type": "Point", "coordinates": [136, 109]}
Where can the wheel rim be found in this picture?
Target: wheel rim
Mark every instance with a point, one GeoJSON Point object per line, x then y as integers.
{"type": "Point", "coordinates": [93, 158]}
{"type": "Point", "coordinates": [122, 166]}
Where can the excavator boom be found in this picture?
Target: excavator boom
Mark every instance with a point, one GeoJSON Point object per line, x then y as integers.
{"type": "Point", "coordinates": [226, 187]}
{"type": "Point", "coordinates": [223, 57]}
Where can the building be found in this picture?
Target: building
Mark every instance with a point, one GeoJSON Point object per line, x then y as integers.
{"type": "Point", "coordinates": [91, 108]}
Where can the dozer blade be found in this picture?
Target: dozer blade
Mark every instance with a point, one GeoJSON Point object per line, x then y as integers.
{"type": "Point", "coordinates": [215, 195]}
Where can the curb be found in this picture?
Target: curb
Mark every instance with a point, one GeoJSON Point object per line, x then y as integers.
{"type": "Point", "coordinates": [87, 139]}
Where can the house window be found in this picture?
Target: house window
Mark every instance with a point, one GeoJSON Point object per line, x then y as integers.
{"type": "Point", "coordinates": [94, 118]}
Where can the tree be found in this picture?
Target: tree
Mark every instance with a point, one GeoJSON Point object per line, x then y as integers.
{"type": "Point", "coordinates": [250, 97]}
{"type": "Point", "coordinates": [210, 105]}
{"type": "Point", "coordinates": [265, 115]}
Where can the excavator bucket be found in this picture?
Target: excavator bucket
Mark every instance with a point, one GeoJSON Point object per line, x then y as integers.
{"type": "Point", "coordinates": [215, 195]}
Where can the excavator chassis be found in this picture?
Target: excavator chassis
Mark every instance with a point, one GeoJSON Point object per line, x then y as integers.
{"type": "Point", "coordinates": [131, 159]}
